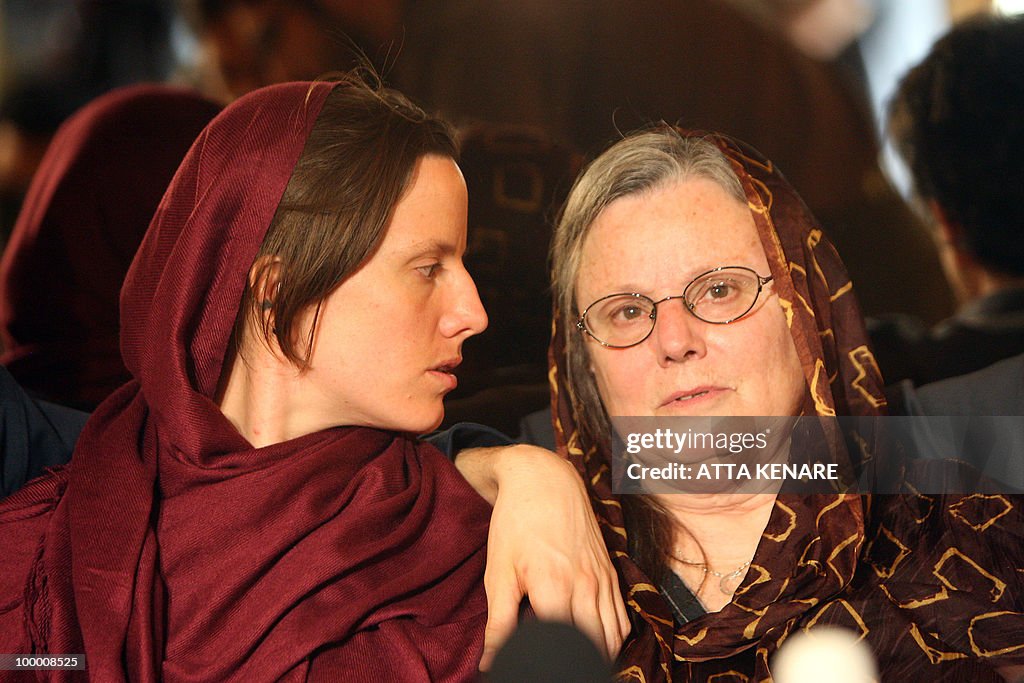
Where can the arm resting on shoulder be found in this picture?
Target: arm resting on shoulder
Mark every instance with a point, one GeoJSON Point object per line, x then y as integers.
{"type": "Point", "coordinates": [544, 542]}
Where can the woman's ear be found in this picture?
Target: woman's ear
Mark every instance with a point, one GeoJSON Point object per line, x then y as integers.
{"type": "Point", "coordinates": [265, 284]}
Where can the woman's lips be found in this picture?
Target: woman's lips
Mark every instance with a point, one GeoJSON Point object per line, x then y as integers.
{"type": "Point", "coordinates": [445, 373]}
{"type": "Point", "coordinates": [694, 396]}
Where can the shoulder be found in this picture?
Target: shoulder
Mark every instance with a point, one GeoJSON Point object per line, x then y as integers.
{"type": "Point", "coordinates": [34, 435]}
{"type": "Point", "coordinates": [995, 390]}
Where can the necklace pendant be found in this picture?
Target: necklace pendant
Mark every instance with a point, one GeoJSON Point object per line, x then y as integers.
{"type": "Point", "coordinates": [729, 583]}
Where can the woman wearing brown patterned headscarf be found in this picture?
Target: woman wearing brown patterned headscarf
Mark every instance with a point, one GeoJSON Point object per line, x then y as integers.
{"type": "Point", "coordinates": [769, 326]}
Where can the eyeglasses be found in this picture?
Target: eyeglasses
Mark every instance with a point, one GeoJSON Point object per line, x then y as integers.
{"type": "Point", "coordinates": [719, 296]}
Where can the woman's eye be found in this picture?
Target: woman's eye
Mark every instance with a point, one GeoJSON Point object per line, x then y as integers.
{"type": "Point", "coordinates": [720, 291]}
{"type": "Point", "coordinates": [628, 313]}
{"type": "Point", "coordinates": [429, 271]}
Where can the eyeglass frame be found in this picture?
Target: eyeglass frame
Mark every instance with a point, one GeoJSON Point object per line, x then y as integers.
{"type": "Point", "coordinates": [761, 282]}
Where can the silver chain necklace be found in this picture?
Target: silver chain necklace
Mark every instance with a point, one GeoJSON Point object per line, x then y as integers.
{"type": "Point", "coordinates": [724, 578]}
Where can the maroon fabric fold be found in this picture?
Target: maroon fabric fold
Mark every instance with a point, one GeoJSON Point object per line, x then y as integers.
{"type": "Point", "coordinates": [86, 212]}
{"type": "Point", "coordinates": [347, 554]}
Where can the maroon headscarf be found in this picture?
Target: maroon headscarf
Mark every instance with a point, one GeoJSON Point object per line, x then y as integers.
{"type": "Point", "coordinates": [86, 211]}
{"type": "Point", "coordinates": [171, 548]}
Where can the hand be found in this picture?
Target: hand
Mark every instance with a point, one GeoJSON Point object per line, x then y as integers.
{"type": "Point", "coordinates": [544, 544]}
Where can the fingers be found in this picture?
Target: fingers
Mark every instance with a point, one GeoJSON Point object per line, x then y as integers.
{"type": "Point", "coordinates": [552, 597]}
{"type": "Point", "coordinates": [503, 598]}
{"type": "Point", "coordinates": [615, 619]}
{"type": "Point", "coordinates": [622, 616]}
{"type": "Point", "coordinates": [586, 601]}
{"type": "Point", "coordinates": [588, 618]}
{"type": "Point", "coordinates": [612, 607]}
{"type": "Point", "coordinates": [601, 614]}
{"type": "Point", "coordinates": [589, 600]}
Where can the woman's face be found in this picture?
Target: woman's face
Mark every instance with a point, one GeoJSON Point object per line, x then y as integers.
{"type": "Point", "coordinates": [655, 243]}
{"type": "Point", "coordinates": [389, 337]}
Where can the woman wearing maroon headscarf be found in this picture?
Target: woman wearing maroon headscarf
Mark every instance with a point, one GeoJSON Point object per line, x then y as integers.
{"type": "Point", "coordinates": [251, 505]}
{"type": "Point", "coordinates": [86, 212]}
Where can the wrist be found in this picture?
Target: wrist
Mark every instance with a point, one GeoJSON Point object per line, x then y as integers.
{"type": "Point", "coordinates": [477, 466]}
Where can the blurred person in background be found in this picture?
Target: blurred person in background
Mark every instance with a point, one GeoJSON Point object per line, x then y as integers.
{"type": "Point", "coordinates": [242, 45]}
{"type": "Point", "coordinates": [60, 54]}
{"type": "Point", "coordinates": [956, 121]}
{"type": "Point", "coordinates": [85, 214]}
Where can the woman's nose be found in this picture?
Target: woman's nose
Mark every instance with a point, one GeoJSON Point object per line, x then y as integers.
{"type": "Point", "coordinates": [467, 315]}
{"type": "Point", "coordinates": [678, 334]}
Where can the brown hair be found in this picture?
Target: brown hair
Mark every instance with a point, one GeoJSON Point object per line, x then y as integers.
{"type": "Point", "coordinates": [355, 167]}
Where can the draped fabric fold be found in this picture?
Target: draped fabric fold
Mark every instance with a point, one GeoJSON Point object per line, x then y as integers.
{"type": "Point", "coordinates": [953, 561]}
{"type": "Point", "coordinates": [171, 548]}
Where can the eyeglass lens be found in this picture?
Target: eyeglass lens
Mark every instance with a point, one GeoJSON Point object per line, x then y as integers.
{"type": "Point", "coordinates": [717, 297]}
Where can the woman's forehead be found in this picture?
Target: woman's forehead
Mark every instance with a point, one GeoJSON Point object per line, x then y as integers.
{"type": "Point", "coordinates": [666, 236]}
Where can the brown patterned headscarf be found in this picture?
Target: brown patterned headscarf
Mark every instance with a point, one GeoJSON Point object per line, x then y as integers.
{"type": "Point", "coordinates": [895, 569]}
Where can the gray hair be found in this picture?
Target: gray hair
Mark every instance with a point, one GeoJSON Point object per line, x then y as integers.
{"type": "Point", "coordinates": [639, 163]}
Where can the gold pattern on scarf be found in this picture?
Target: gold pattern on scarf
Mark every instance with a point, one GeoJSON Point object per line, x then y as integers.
{"type": "Point", "coordinates": [787, 308]}
{"type": "Point", "coordinates": [902, 553]}
{"type": "Point", "coordinates": [935, 656]}
{"type": "Point", "coordinates": [1012, 626]}
{"type": "Point", "coordinates": [848, 287]}
{"type": "Point", "coordinates": [858, 620]}
{"type": "Point", "coordinates": [759, 574]}
{"type": "Point", "coordinates": [757, 207]}
{"type": "Point", "coordinates": [810, 548]}
{"type": "Point", "coordinates": [840, 499]}
{"type": "Point", "coordinates": [956, 510]}
{"type": "Point", "coordinates": [634, 673]}
{"type": "Point", "coordinates": [573, 445]}
{"type": "Point", "coordinates": [765, 197]}
{"type": "Point", "coordinates": [642, 588]}
{"type": "Point", "coordinates": [818, 389]}
{"type": "Point", "coordinates": [766, 165]}
{"type": "Point", "coordinates": [864, 361]}
{"type": "Point", "coordinates": [926, 500]}
{"type": "Point", "coordinates": [701, 635]}
{"type": "Point", "coordinates": [783, 535]}
{"type": "Point", "coordinates": [938, 596]}
{"type": "Point", "coordinates": [813, 239]}
{"type": "Point", "coordinates": [750, 632]}
{"type": "Point", "coordinates": [852, 538]}
{"type": "Point", "coordinates": [803, 301]}
{"type": "Point", "coordinates": [998, 586]}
